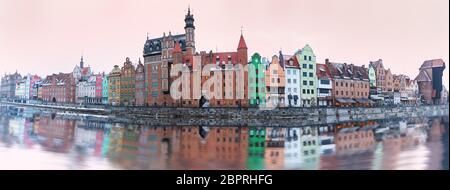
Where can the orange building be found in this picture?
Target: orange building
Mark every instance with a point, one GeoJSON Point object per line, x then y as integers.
{"type": "Point", "coordinates": [275, 84]}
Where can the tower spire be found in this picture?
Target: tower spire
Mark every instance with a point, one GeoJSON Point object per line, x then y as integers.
{"type": "Point", "coordinates": [81, 62]}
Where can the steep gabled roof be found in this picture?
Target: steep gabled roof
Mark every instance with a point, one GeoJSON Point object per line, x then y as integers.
{"type": "Point", "coordinates": [242, 44]}
{"type": "Point", "coordinates": [423, 77]}
{"type": "Point", "coordinates": [322, 71]}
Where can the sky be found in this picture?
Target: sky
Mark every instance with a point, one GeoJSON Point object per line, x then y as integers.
{"type": "Point", "coordinates": [49, 36]}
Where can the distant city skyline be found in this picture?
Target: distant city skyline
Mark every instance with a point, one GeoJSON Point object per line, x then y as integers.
{"type": "Point", "coordinates": [48, 36]}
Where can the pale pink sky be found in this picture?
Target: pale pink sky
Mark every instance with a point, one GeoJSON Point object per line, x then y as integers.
{"type": "Point", "coordinates": [46, 36]}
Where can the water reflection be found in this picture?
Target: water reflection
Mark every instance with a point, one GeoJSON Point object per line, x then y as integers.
{"type": "Point", "coordinates": [45, 141]}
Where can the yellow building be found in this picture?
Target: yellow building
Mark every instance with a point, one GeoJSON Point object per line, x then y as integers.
{"type": "Point", "coordinates": [114, 86]}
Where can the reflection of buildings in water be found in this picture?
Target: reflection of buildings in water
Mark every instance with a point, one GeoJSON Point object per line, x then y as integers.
{"type": "Point", "coordinates": [106, 135]}
{"type": "Point", "coordinates": [354, 140]}
{"type": "Point", "coordinates": [16, 130]}
{"type": "Point", "coordinates": [28, 135]}
{"type": "Point", "coordinates": [115, 140]}
{"type": "Point", "coordinates": [309, 147]}
{"type": "Point", "coordinates": [89, 137]}
{"type": "Point", "coordinates": [4, 130]}
{"type": "Point", "coordinates": [328, 160]}
{"type": "Point", "coordinates": [402, 147]}
{"type": "Point", "coordinates": [292, 151]}
{"type": "Point", "coordinates": [143, 147]}
{"type": "Point", "coordinates": [354, 147]}
{"type": "Point", "coordinates": [187, 154]}
{"type": "Point", "coordinates": [274, 153]}
{"type": "Point", "coordinates": [55, 134]}
{"type": "Point", "coordinates": [326, 139]}
{"type": "Point", "coordinates": [436, 135]}
{"type": "Point", "coordinates": [256, 146]}
{"type": "Point", "coordinates": [227, 147]}
{"type": "Point", "coordinates": [212, 147]}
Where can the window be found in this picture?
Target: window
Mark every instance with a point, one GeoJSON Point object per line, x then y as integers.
{"type": "Point", "coordinates": [305, 82]}
{"type": "Point", "coordinates": [295, 89]}
{"type": "Point", "coordinates": [325, 82]}
{"type": "Point", "coordinates": [304, 74]}
{"type": "Point", "coordinates": [304, 57]}
{"type": "Point", "coordinates": [295, 81]}
{"type": "Point", "coordinates": [311, 75]}
{"type": "Point", "coordinates": [274, 72]}
{"type": "Point", "coordinates": [294, 72]}
{"type": "Point", "coordinates": [346, 84]}
{"type": "Point", "coordinates": [309, 58]}
{"type": "Point", "coordinates": [307, 91]}
{"type": "Point", "coordinates": [304, 91]}
{"type": "Point", "coordinates": [337, 92]}
{"type": "Point", "coordinates": [312, 91]}
{"type": "Point", "coordinates": [289, 81]}
{"type": "Point", "coordinates": [311, 83]}
{"type": "Point", "coordinates": [337, 84]}
{"type": "Point", "coordinates": [304, 66]}
{"type": "Point", "coordinates": [278, 79]}
{"type": "Point", "coordinates": [288, 72]}
{"type": "Point", "coordinates": [311, 66]}
{"type": "Point", "coordinates": [273, 80]}
{"type": "Point", "coordinates": [289, 89]}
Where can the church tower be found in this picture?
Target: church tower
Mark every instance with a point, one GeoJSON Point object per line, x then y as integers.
{"type": "Point", "coordinates": [190, 34]}
{"type": "Point", "coordinates": [81, 62]}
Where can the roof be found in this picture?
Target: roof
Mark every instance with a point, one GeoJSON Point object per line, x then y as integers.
{"type": "Point", "coordinates": [423, 77]}
{"type": "Point", "coordinates": [433, 63]}
{"type": "Point", "coordinates": [375, 64]}
{"type": "Point", "coordinates": [221, 57]}
{"type": "Point", "coordinates": [242, 44]}
{"type": "Point", "coordinates": [154, 46]}
{"type": "Point", "coordinates": [291, 61]}
{"type": "Point", "coordinates": [322, 71]}
{"type": "Point", "coordinates": [85, 71]}
{"type": "Point", "coordinates": [348, 71]}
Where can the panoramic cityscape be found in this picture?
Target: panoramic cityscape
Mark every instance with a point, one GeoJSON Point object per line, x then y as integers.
{"type": "Point", "coordinates": [181, 106]}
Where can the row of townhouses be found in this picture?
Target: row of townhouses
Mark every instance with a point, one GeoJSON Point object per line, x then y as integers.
{"type": "Point", "coordinates": [175, 74]}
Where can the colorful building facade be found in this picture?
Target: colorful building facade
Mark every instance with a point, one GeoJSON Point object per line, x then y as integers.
{"type": "Point", "coordinates": [140, 85]}
{"type": "Point", "coordinates": [256, 82]}
{"type": "Point", "coordinates": [351, 84]}
{"type": "Point", "coordinates": [275, 84]}
{"type": "Point", "coordinates": [127, 83]}
{"type": "Point", "coordinates": [324, 86]}
{"type": "Point", "coordinates": [308, 86]}
{"type": "Point", "coordinates": [59, 88]}
{"type": "Point", "coordinates": [114, 86]}
{"type": "Point", "coordinates": [292, 77]}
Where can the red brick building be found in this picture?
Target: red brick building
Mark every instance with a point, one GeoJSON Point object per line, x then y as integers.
{"type": "Point", "coordinates": [351, 84]}
{"type": "Point", "coordinates": [158, 59]}
{"type": "Point", "coordinates": [59, 88]}
{"type": "Point", "coordinates": [429, 80]}
{"type": "Point", "coordinates": [238, 60]}
{"type": "Point", "coordinates": [98, 85]}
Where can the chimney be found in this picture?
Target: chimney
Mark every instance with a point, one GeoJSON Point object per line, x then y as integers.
{"type": "Point", "coordinates": [327, 61]}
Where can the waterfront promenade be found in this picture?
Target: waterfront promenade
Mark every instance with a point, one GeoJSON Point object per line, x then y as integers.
{"type": "Point", "coordinates": [237, 116]}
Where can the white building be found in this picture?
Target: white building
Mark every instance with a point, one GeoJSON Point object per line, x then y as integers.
{"type": "Point", "coordinates": [292, 78]}
{"type": "Point", "coordinates": [292, 151]}
{"type": "Point", "coordinates": [21, 92]}
{"type": "Point", "coordinates": [85, 91]}
{"type": "Point", "coordinates": [324, 86]}
{"type": "Point", "coordinates": [309, 148]}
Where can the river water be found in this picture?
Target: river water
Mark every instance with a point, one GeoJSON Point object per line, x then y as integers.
{"type": "Point", "coordinates": [37, 140]}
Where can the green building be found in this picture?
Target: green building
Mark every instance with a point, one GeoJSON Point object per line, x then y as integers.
{"type": "Point", "coordinates": [308, 77]}
{"type": "Point", "coordinates": [256, 144]}
{"type": "Point", "coordinates": [372, 77]}
{"type": "Point", "coordinates": [256, 82]}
